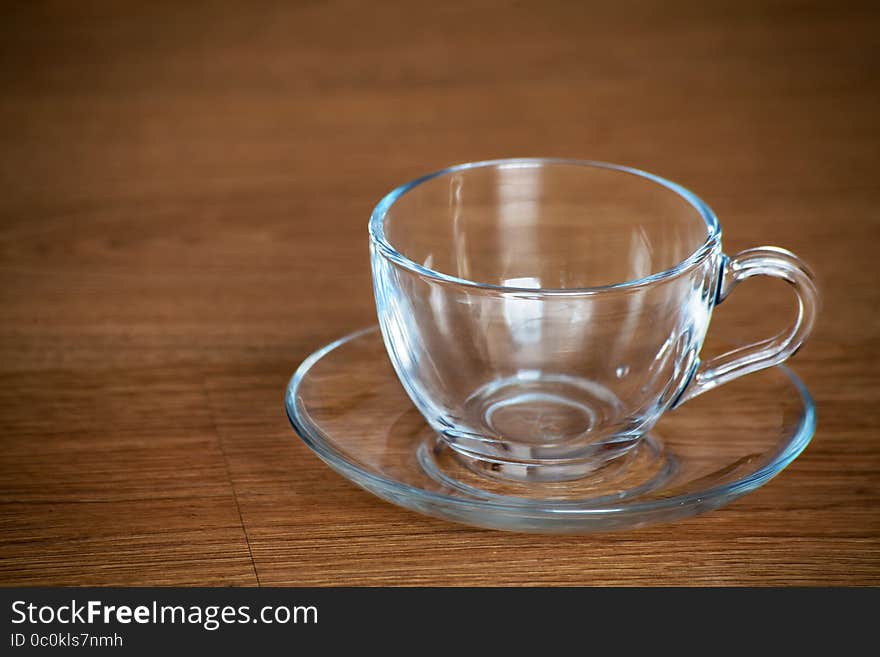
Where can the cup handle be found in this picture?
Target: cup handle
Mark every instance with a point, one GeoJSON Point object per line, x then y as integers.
{"type": "Point", "coordinates": [759, 261]}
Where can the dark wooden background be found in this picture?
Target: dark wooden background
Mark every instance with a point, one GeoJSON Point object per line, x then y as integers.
{"type": "Point", "coordinates": [184, 193]}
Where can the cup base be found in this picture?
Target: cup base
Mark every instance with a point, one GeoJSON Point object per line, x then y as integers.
{"type": "Point", "coordinates": [535, 408]}
{"type": "Point", "coordinates": [643, 467]}
{"type": "Point", "coordinates": [541, 427]}
{"type": "Point", "coordinates": [544, 470]}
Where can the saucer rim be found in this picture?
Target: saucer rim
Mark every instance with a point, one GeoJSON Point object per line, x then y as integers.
{"type": "Point", "coordinates": [319, 443]}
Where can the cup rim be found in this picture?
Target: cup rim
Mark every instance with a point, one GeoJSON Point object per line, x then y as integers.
{"type": "Point", "coordinates": [378, 239]}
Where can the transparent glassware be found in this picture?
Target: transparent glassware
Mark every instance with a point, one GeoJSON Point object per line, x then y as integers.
{"type": "Point", "coordinates": [542, 314]}
{"type": "Point", "coordinates": [346, 403]}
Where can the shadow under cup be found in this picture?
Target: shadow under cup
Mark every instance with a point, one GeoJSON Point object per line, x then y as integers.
{"type": "Point", "coordinates": [543, 314]}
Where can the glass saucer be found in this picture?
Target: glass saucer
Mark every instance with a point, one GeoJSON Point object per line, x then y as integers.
{"type": "Point", "coordinates": [347, 405]}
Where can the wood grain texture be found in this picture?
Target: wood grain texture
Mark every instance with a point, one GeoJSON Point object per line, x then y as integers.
{"type": "Point", "coordinates": [183, 201]}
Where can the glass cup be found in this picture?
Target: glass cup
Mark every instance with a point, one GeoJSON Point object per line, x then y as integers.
{"type": "Point", "coordinates": [542, 314]}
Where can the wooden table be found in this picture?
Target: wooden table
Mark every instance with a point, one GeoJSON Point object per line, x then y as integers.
{"type": "Point", "coordinates": [184, 193]}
